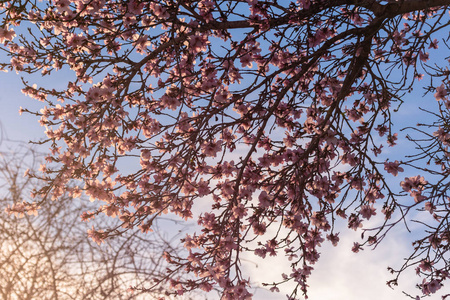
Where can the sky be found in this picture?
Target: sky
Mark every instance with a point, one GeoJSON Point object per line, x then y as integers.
{"type": "Point", "coordinates": [340, 274]}
{"type": "Point", "coordinates": [17, 127]}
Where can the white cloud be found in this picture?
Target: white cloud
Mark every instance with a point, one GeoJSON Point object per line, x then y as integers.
{"type": "Point", "coordinates": [341, 274]}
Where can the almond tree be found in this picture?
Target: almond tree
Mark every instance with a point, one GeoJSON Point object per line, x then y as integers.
{"type": "Point", "coordinates": [276, 113]}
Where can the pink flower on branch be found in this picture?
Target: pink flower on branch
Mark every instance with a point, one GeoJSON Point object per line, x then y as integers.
{"type": "Point", "coordinates": [393, 167]}
{"type": "Point", "coordinates": [441, 93]}
{"type": "Point", "coordinates": [367, 211]}
{"type": "Point", "coordinates": [97, 236]}
{"type": "Point", "coordinates": [6, 34]}
{"type": "Point", "coordinates": [211, 148]}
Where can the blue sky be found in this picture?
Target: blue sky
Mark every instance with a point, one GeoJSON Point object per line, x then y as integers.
{"type": "Point", "coordinates": [14, 126]}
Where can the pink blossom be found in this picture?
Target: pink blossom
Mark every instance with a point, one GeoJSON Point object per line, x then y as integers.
{"type": "Point", "coordinates": [210, 148]}
{"type": "Point", "coordinates": [6, 34]}
{"type": "Point", "coordinates": [356, 247]}
{"type": "Point", "coordinates": [430, 287]}
{"type": "Point", "coordinates": [264, 200]}
{"type": "Point", "coordinates": [353, 114]}
{"type": "Point", "coordinates": [318, 219]}
{"type": "Point", "coordinates": [392, 138]}
{"type": "Point", "coordinates": [418, 196]}
{"type": "Point", "coordinates": [203, 188]}
{"type": "Point", "coordinates": [424, 56]}
{"type": "Point", "coordinates": [198, 43]}
{"type": "Point", "coordinates": [433, 44]}
{"type": "Point", "coordinates": [159, 10]}
{"type": "Point", "coordinates": [259, 228]}
{"type": "Point", "coordinates": [170, 102]}
{"type": "Point", "coordinates": [367, 211]}
{"type": "Point", "coordinates": [240, 211]}
{"type": "Point", "coordinates": [393, 167]}
{"type": "Point", "coordinates": [354, 222]}
{"type": "Point", "coordinates": [416, 182]}
{"type": "Point", "coordinates": [333, 238]}
{"type": "Point", "coordinates": [246, 60]}
{"type": "Point", "coordinates": [96, 235]}
{"type": "Point", "coordinates": [441, 92]}
{"type": "Point", "coordinates": [443, 135]}
{"type": "Point", "coordinates": [425, 265]}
